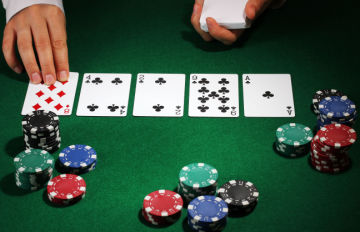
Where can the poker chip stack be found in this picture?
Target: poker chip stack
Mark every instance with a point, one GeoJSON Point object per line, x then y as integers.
{"type": "Point", "coordinates": [336, 109]}
{"type": "Point", "coordinates": [207, 213]}
{"type": "Point", "coordinates": [41, 130]}
{"type": "Point", "coordinates": [34, 169]}
{"type": "Point", "coordinates": [293, 140]}
{"type": "Point", "coordinates": [197, 179]}
{"type": "Point", "coordinates": [330, 147]}
{"type": "Point", "coordinates": [320, 95]}
{"type": "Point", "coordinates": [162, 207]}
{"type": "Point", "coordinates": [66, 189]}
{"type": "Point", "coordinates": [241, 196]}
{"type": "Point", "coordinates": [77, 159]}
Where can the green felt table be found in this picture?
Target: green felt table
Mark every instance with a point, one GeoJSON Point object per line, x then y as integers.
{"type": "Point", "coordinates": [315, 41]}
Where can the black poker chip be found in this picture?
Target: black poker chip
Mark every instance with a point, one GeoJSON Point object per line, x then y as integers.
{"type": "Point", "coordinates": [239, 193]}
{"type": "Point", "coordinates": [320, 95]}
{"type": "Point", "coordinates": [40, 121]}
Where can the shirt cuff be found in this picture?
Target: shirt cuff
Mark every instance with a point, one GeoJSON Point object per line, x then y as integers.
{"type": "Point", "coordinates": [14, 6]}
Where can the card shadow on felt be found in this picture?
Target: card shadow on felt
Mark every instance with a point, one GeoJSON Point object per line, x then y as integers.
{"type": "Point", "coordinates": [14, 146]}
{"type": "Point", "coordinates": [8, 186]}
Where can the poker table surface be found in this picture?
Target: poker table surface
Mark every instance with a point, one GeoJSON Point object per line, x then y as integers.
{"type": "Point", "coordinates": [316, 42]}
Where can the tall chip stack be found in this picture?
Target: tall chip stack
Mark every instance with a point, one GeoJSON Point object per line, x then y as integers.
{"type": "Point", "coordinates": [330, 148]}
{"type": "Point", "coordinates": [197, 179]}
{"type": "Point", "coordinates": [41, 131]}
{"type": "Point", "coordinates": [34, 168]}
{"type": "Point", "coordinates": [293, 140]}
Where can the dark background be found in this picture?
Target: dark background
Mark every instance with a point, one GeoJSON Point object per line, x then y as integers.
{"type": "Point", "coordinates": [317, 42]}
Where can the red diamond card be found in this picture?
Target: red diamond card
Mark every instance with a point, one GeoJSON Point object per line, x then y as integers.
{"type": "Point", "coordinates": [58, 97]}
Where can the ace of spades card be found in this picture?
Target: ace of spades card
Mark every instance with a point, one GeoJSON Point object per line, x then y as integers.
{"type": "Point", "coordinates": [214, 95]}
{"type": "Point", "coordinates": [268, 95]}
{"type": "Point", "coordinates": [104, 94]}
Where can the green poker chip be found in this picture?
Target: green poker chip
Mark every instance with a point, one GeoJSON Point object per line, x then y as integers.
{"type": "Point", "coordinates": [33, 161]}
{"type": "Point", "coordinates": [294, 134]}
{"type": "Point", "coordinates": [198, 175]}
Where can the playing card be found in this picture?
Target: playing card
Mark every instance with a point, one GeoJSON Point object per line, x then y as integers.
{"type": "Point", "coordinates": [268, 95]}
{"type": "Point", "coordinates": [159, 95]}
{"type": "Point", "coordinates": [227, 13]}
{"type": "Point", "coordinates": [104, 94]}
{"type": "Point", "coordinates": [214, 95]}
{"type": "Point", "coordinates": [58, 97]}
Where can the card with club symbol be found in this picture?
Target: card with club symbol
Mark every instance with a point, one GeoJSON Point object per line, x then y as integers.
{"type": "Point", "coordinates": [268, 95]}
{"type": "Point", "coordinates": [58, 97]}
{"type": "Point", "coordinates": [214, 95]}
{"type": "Point", "coordinates": [159, 95]}
{"type": "Point", "coordinates": [104, 94]}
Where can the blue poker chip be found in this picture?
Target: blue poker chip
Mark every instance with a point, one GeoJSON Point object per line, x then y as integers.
{"type": "Point", "coordinates": [78, 156]}
{"type": "Point", "coordinates": [207, 209]}
{"type": "Point", "coordinates": [337, 107]}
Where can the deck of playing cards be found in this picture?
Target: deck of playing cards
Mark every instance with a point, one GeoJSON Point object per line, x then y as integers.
{"type": "Point", "coordinates": [227, 13]}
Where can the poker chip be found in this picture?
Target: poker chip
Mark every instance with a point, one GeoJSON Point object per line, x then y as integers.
{"type": "Point", "coordinates": [197, 179]}
{"type": "Point", "coordinates": [162, 207]}
{"type": "Point", "coordinates": [34, 169]}
{"type": "Point", "coordinates": [66, 189]}
{"type": "Point", "coordinates": [77, 159]}
{"type": "Point", "coordinates": [207, 213]}
{"type": "Point", "coordinates": [330, 148]}
{"type": "Point", "coordinates": [293, 140]}
{"type": "Point", "coordinates": [320, 95]}
{"type": "Point", "coordinates": [41, 131]}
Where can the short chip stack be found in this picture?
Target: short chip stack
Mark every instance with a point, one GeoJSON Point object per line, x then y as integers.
{"type": "Point", "coordinates": [320, 95]}
{"type": "Point", "coordinates": [293, 140]}
{"type": "Point", "coordinates": [197, 179]}
{"type": "Point", "coordinates": [162, 207]}
{"type": "Point", "coordinates": [66, 189]}
{"type": "Point", "coordinates": [330, 147]}
{"type": "Point", "coordinates": [41, 130]}
{"type": "Point", "coordinates": [77, 159]}
{"type": "Point", "coordinates": [34, 169]}
{"type": "Point", "coordinates": [241, 196]}
{"type": "Point", "coordinates": [207, 213]}
{"type": "Point", "coordinates": [336, 109]}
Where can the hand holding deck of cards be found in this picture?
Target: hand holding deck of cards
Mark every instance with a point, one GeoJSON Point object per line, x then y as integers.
{"type": "Point", "coordinates": [163, 95]}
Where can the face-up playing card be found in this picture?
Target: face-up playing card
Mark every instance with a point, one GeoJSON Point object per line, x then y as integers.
{"type": "Point", "coordinates": [227, 13]}
{"type": "Point", "coordinates": [268, 95]}
{"type": "Point", "coordinates": [214, 95]}
{"type": "Point", "coordinates": [104, 94]}
{"type": "Point", "coordinates": [159, 95]}
{"type": "Point", "coordinates": [58, 97]}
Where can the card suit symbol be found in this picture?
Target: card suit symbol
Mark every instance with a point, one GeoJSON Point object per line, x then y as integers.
{"type": "Point", "coordinates": [223, 90]}
{"type": "Point", "coordinates": [158, 107]}
{"type": "Point", "coordinates": [247, 82]}
{"type": "Point", "coordinates": [203, 90]}
{"type": "Point", "coordinates": [113, 108]}
{"type": "Point", "coordinates": [223, 99]}
{"type": "Point", "coordinates": [39, 93]}
{"type": "Point", "coordinates": [289, 107]}
{"type": "Point", "coordinates": [117, 81]}
{"type": "Point", "coordinates": [92, 107]}
{"type": "Point", "coordinates": [223, 81]}
{"type": "Point", "coordinates": [223, 108]}
{"type": "Point", "coordinates": [204, 81]}
{"type": "Point", "coordinates": [289, 110]}
{"type": "Point", "coordinates": [36, 106]}
{"type": "Point", "coordinates": [178, 107]}
{"type": "Point", "coordinates": [52, 87]}
{"type": "Point", "coordinates": [58, 106]}
{"type": "Point", "coordinates": [61, 93]}
{"type": "Point", "coordinates": [203, 99]}
{"type": "Point", "coordinates": [203, 108]}
{"type": "Point", "coordinates": [122, 107]}
{"type": "Point", "coordinates": [268, 94]}
{"type": "Point", "coordinates": [97, 81]}
{"type": "Point", "coordinates": [87, 81]}
{"type": "Point", "coordinates": [49, 100]}
{"type": "Point", "coordinates": [194, 82]}
{"type": "Point", "coordinates": [64, 82]}
{"type": "Point", "coordinates": [213, 95]}
{"type": "Point", "coordinates": [160, 81]}
{"type": "Point", "coordinates": [233, 107]}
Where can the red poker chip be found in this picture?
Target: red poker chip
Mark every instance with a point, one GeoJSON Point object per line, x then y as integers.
{"type": "Point", "coordinates": [66, 187]}
{"type": "Point", "coordinates": [337, 135]}
{"type": "Point", "coordinates": [324, 154]}
{"type": "Point", "coordinates": [162, 203]}
{"type": "Point", "coordinates": [327, 149]}
{"type": "Point", "coordinates": [328, 169]}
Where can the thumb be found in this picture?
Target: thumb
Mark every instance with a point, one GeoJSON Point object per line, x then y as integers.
{"type": "Point", "coordinates": [254, 8]}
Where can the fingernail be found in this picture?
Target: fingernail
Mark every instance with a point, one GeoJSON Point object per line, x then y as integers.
{"type": "Point", "coordinates": [18, 69]}
{"type": "Point", "coordinates": [49, 78]}
{"type": "Point", "coordinates": [209, 22]}
{"type": "Point", "coordinates": [63, 76]}
{"type": "Point", "coordinates": [196, 8]}
{"type": "Point", "coordinates": [35, 78]}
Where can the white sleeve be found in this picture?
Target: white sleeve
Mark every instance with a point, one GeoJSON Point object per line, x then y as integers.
{"type": "Point", "coordinates": [14, 6]}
